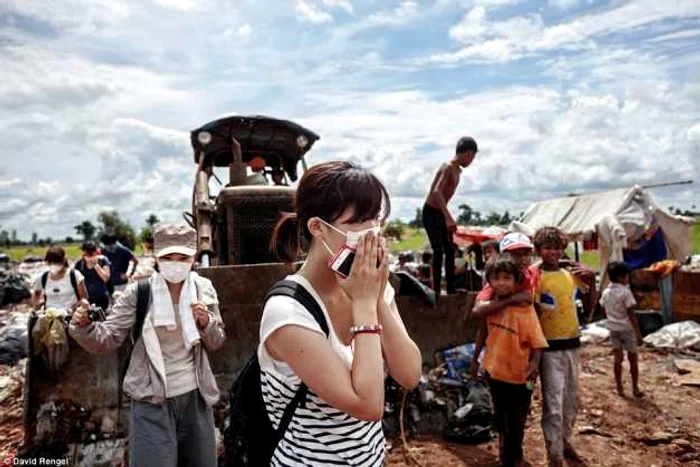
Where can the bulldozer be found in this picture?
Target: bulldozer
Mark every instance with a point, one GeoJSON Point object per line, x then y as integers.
{"type": "Point", "coordinates": [81, 407]}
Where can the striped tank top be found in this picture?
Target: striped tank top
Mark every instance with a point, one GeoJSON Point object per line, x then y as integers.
{"type": "Point", "coordinates": [318, 435]}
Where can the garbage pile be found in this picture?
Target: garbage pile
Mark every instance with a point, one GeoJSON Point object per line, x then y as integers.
{"type": "Point", "coordinates": [677, 336]}
{"type": "Point", "coordinates": [447, 402]}
{"type": "Point", "coordinates": [14, 287]}
{"type": "Point", "coordinates": [13, 336]}
{"type": "Point", "coordinates": [693, 264]}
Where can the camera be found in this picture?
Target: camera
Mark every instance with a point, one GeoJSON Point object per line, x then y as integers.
{"type": "Point", "coordinates": [95, 313]}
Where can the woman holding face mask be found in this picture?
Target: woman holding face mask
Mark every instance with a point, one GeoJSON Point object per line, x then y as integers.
{"type": "Point", "coordinates": [169, 379]}
{"type": "Point", "coordinates": [339, 207]}
{"type": "Point", "coordinates": [95, 268]}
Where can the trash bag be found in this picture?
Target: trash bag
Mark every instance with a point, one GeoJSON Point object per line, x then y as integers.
{"type": "Point", "coordinates": [471, 423]}
{"type": "Point", "coordinates": [595, 333]}
{"type": "Point", "coordinates": [50, 338]}
{"type": "Point", "coordinates": [15, 288]}
{"type": "Point", "coordinates": [13, 340]}
{"type": "Point", "coordinates": [683, 335]}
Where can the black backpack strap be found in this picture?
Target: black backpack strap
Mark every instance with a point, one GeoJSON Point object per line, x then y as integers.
{"type": "Point", "coordinates": [44, 280]}
{"type": "Point", "coordinates": [143, 300]}
{"type": "Point", "coordinates": [74, 282]}
{"type": "Point", "coordinates": [297, 291]}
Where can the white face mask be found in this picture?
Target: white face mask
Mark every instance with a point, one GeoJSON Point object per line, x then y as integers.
{"type": "Point", "coordinates": [353, 238]}
{"type": "Point", "coordinates": [55, 269]}
{"type": "Point", "coordinates": [175, 271]}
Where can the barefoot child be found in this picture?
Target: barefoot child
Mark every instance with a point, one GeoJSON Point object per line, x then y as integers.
{"type": "Point", "coordinates": [618, 302]}
{"type": "Point", "coordinates": [514, 342]}
{"type": "Point", "coordinates": [554, 299]}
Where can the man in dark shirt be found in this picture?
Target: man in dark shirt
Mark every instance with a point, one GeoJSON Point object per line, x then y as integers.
{"type": "Point", "coordinates": [96, 270]}
{"type": "Point", "coordinates": [120, 257]}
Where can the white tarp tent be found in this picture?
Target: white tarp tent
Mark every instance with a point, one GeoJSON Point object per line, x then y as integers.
{"type": "Point", "coordinates": [618, 217]}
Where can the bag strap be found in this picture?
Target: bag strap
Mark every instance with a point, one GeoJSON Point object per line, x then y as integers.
{"type": "Point", "coordinates": [297, 291]}
{"type": "Point", "coordinates": [74, 282]}
{"type": "Point", "coordinates": [44, 280]}
{"type": "Point", "coordinates": [143, 299]}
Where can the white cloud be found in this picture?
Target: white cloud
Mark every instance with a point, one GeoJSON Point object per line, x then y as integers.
{"type": "Point", "coordinates": [245, 31]}
{"type": "Point", "coordinates": [82, 14]}
{"type": "Point", "coordinates": [312, 14]}
{"type": "Point", "coordinates": [96, 113]}
{"type": "Point", "coordinates": [564, 4]}
{"type": "Point", "coordinates": [405, 12]}
{"type": "Point", "coordinates": [517, 37]}
{"type": "Point", "coordinates": [344, 4]}
{"type": "Point", "coordinates": [181, 5]}
{"type": "Point", "coordinates": [679, 35]}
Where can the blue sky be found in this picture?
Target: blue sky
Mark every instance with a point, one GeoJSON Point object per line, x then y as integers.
{"type": "Point", "coordinates": [563, 96]}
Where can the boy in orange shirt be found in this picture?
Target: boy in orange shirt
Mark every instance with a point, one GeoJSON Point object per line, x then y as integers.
{"type": "Point", "coordinates": [514, 342]}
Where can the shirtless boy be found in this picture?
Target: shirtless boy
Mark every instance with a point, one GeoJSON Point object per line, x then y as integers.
{"type": "Point", "coordinates": [437, 220]}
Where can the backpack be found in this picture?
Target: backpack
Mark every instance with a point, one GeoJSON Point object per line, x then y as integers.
{"type": "Point", "coordinates": [250, 438]}
{"type": "Point", "coordinates": [143, 299]}
{"type": "Point", "coordinates": [73, 283]}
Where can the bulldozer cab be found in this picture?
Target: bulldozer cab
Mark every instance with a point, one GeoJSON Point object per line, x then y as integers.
{"type": "Point", "coordinates": [262, 155]}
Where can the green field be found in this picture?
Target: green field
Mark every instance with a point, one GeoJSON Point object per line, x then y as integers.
{"type": "Point", "coordinates": [18, 253]}
{"type": "Point", "coordinates": [412, 240]}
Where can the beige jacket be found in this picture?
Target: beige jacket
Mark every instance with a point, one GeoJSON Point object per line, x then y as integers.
{"type": "Point", "coordinates": [145, 377]}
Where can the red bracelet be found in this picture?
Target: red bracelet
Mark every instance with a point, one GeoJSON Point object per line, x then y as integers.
{"type": "Point", "coordinates": [367, 329]}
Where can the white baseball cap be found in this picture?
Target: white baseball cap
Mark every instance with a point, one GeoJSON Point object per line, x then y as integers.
{"type": "Point", "coordinates": [515, 241]}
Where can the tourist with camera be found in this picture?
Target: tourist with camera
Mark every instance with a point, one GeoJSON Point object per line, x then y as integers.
{"type": "Point", "coordinates": [173, 318]}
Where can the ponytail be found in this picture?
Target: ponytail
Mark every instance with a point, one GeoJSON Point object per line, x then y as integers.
{"type": "Point", "coordinates": [286, 242]}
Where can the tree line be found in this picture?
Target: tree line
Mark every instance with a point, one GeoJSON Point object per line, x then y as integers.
{"type": "Point", "coordinates": [107, 222]}
{"type": "Point", "coordinates": [396, 228]}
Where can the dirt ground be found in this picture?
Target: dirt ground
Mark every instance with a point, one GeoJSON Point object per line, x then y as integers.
{"type": "Point", "coordinates": [660, 430]}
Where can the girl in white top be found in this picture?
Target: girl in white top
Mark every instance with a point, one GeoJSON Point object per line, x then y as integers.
{"type": "Point", "coordinates": [337, 204]}
{"type": "Point", "coordinates": [58, 293]}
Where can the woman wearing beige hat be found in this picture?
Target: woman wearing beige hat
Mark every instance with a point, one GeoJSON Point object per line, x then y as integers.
{"type": "Point", "coordinates": [169, 378]}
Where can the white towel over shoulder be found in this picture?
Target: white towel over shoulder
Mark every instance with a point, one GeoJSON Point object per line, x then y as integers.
{"type": "Point", "coordinates": [164, 312]}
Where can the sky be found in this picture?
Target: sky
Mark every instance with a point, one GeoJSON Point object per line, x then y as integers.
{"type": "Point", "coordinates": [563, 96]}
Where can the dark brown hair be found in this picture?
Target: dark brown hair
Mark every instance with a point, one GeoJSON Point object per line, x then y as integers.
{"type": "Point", "coordinates": [550, 236]}
{"type": "Point", "coordinates": [503, 263]}
{"type": "Point", "coordinates": [56, 255]}
{"type": "Point", "coordinates": [326, 191]}
{"type": "Point", "coordinates": [617, 270]}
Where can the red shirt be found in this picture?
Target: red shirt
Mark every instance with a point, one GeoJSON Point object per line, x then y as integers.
{"type": "Point", "coordinates": [530, 277]}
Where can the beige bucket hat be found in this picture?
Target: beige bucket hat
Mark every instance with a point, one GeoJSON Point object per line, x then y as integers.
{"type": "Point", "coordinates": [174, 238]}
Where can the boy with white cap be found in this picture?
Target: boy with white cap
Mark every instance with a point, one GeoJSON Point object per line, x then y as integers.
{"type": "Point", "coordinates": [520, 247]}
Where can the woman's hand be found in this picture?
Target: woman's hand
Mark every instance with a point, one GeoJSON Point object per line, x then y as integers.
{"type": "Point", "coordinates": [366, 279]}
{"type": "Point", "coordinates": [383, 258]}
